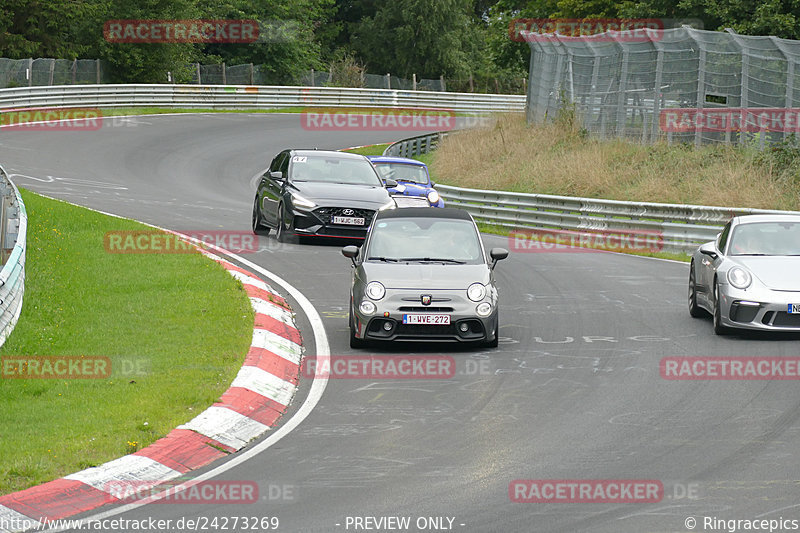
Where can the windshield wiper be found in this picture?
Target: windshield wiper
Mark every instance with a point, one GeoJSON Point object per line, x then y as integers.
{"type": "Point", "coordinates": [432, 260]}
{"type": "Point", "coordinates": [384, 259]}
{"type": "Point", "coordinates": [751, 254]}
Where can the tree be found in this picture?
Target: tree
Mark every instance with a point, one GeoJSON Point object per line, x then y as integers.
{"type": "Point", "coordinates": [424, 37]}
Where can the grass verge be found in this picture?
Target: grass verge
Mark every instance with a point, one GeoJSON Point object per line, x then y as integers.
{"type": "Point", "coordinates": [558, 159]}
{"type": "Point", "coordinates": [371, 149]}
{"type": "Point", "coordinates": [176, 327]}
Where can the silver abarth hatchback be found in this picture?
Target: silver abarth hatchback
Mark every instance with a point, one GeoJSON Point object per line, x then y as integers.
{"type": "Point", "coordinates": [422, 275]}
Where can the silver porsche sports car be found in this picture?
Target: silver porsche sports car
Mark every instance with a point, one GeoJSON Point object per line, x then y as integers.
{"type": "Point", "coordinates": [749, 277]}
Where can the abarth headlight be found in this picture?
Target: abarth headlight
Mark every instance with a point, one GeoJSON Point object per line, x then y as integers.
{"type": "Point", "coordinates": [375, 290]}
{"type": "Point", "coordinates": [476, 292]}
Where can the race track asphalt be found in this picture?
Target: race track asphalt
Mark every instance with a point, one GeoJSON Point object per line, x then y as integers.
{"type": "Point", "coordinates": [573, 391]}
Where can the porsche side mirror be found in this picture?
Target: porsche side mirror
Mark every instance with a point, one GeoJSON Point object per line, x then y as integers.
{"type": "Point", "coordinates": [710, 253]}
{"type": "Point", "coordinates": [497, 254]}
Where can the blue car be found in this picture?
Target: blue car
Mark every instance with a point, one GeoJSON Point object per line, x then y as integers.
{"type": "Point", "coordinates": [414, 186]}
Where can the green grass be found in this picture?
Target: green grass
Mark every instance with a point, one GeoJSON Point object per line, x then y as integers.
{"type": "Point", "coordinates": [125, 111]}
{"type": "Point", "coordinates": [372, 149]}
{"type": "Point", "coordinates": [180, 317]}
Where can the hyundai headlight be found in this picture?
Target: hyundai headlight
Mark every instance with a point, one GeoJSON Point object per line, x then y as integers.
{"type": "Point", "coordinates": [301, 201]}
{"type": "Point", "coordinates": [389, 205]}
{"type": "Point", "coordinates": [476, 292]}
{"type": "Point", "coordinates": [375, 290]}
{"type": "Point", "coordinates": [739, 277]}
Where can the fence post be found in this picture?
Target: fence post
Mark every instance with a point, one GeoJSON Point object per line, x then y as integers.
{"type": "Point", "coordinates": [744, 103]}
{"type": "Point", "coordinates": [414, 81]}
{"type": "Point", "coordinates": [52, 70]}
{"type": "Point", "coordinates": [97, 65]}
{"type": "Point", "coordinates": [701, 80]}
{"type": "Point", "coordinates": [197, 65]}
{"type": "Point", "coordinates": [30, 71]}
{"type": "Point", "coordinates": [388, 81]}
{"type": "Point", "coordinates": [252, 74]}
{"type": "Point", "coordinates": [622, 115]}
{"type": "Point", "coordinates": [657, 84]}
{"type": "Point", "coordinates": [441, 82]}
{"type": "Point", "coordinates": [224, 75]}
{"type": "Point", "coordinates": [312, 78]}
{"type": "Point", "coordinates": [74, 70]}
{"type": "Point", "coordinates": [789, 77]}
{"type": "Point", "coordinates": [471, 85]}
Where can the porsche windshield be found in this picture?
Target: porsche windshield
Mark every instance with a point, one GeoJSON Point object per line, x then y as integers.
{"type": "Point", "coordinates": [425, 240]}
{"type": "Point", "coordinates": [766, 238]}
{"type": "Point", "coordinates": [327, 169]}
{"type": "Point", "coordinates": [403, 172]}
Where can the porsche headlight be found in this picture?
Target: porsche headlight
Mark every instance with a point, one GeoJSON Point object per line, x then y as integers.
{"type": "Point", "coordinates": [433, 197]}
{"type": "Point", "coordinates": [389, 205]}
{"type": "Point", "coordinates": [739, 277]}
{"type": "Point", "coordinates": [476, 292]}
{"type": "Point", "coordinates": [301, 201]}
{"type": "Point", "coordinates": [375, 290]}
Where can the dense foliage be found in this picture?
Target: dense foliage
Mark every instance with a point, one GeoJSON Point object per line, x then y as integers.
{"type": "Point", "coordinates": [430, 38]}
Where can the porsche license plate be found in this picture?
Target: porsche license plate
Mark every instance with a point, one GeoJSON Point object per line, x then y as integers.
{"type": "Point", "coordinates": [351, 221]}
{"type": "Point", "coordinates": [794, 309]}
{"type": "Point", "coordinates": [435, 320]}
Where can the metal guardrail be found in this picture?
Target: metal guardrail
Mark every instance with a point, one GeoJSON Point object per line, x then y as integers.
{"type": "Point", "coordinates": [679, 228]}
{"type": "Point", "coordinates": [13, 234]}
{"type": "Point", "coordinates": [422, 144]}
{"type": "Point", "coordinates": [249, 97]}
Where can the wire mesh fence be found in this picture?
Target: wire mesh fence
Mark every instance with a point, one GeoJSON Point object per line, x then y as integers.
{"type": "Point", "coordinates": [680, 84]}
{"type": "Point", "coordinates": [36, 72]}
{"type": "Point", "coordinates": [39, 72]}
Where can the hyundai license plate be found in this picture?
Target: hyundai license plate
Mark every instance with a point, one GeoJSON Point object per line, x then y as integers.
{"type": "Point", "coordinates": [351, 221]}
{"type": "Point", "coordinates": [435, 320]}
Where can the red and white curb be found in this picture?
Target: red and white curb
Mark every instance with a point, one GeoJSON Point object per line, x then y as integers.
{"type": "Point", "coordinates": [256, 399]}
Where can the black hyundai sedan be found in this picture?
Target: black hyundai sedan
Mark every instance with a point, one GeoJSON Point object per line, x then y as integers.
{"type": "Point", "coordinates": [319, 193]}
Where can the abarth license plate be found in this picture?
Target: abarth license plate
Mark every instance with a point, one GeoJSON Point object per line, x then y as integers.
{"type": "Point", "coordinates": [350, 221]}
{"type": "Point", "coordinates": [431, 319]}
